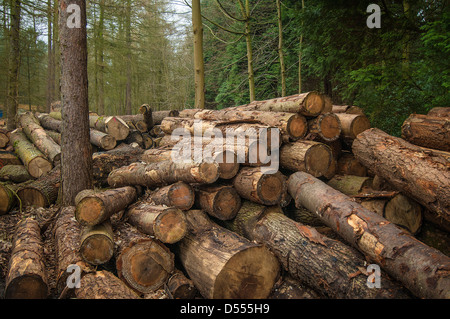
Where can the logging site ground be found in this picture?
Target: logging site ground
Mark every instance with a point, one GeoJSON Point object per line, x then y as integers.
{"type": "Point", "coordinates": [199, 150]}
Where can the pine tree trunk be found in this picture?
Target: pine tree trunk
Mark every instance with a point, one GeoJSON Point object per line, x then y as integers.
{"type": "Point", "coordinates": [224, 265]}
{"type": "Point", "coordinates": [197, 26]}
{"type": "Point", "coordinates": [27, 277]}
{"type": "Point", "coordinates": [421, 269]}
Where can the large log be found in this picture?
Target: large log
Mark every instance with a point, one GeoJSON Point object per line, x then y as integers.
{"type": "Point", "coordinates": [111, 125]}
{"type": "Point", "coordinates": [34, 160]}
{"type": "Point", "coordinates": [167, 224]}
{"type": "Point", "coordinates": [220, 201]}
{"type": "Point", "coordinates": [290, 124]}
{"type": "Point", "coordinates": [97, 243]}
{"type": "Point", "coordinates": [422, 269]}
{"type": "Point", "coordinates": [164, 173]}
{"type": "Point", "coordinates": [36, 133]}
{"type": "Point", "coordinates": [427, 131]}
{"type": "Point", "coordinates": [42, 192]}
{"type": "Point", "coordinates": [66, 233]}
{"type": "Point", "coordinates": [224, 265]}
{"type": "Point", "coordinates": [103, 285]}
{"type": "Point", "coordinates": [307, 156]}
{"type": "Point", "coordinates": [142, 262]}
{"type": "Point", "coordinates": [96, 208]}
{"type": "Point", "coordinates": [180, 195]}
{"type": "Point", "coordinates": [27, 277]}
{"type": "Point", "coordinates": [311, 257]}
{"type": "Point", "coordinates": [253, 184]}
{"type": "Point", "coordinates": [421, 175]}
{"type": "Point", "coordinates": [309, 104]}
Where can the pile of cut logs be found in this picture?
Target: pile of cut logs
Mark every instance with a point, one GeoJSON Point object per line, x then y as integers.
{"type": "Point", "coordinates": [340, 217]}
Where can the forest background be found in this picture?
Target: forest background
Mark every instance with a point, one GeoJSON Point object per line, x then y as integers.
{"type": "Point", "coordinates": [141, 51]}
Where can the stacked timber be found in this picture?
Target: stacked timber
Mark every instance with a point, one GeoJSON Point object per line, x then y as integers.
{"type": "Point", "coordinates": [304, 201]}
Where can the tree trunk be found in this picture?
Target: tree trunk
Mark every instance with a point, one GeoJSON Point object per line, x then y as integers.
{"type": "Point", "coordinates": [76, 147]}
{"type": "Point", "coordinates": [104, 285]}
{"type": "Point", "coordinates": [35, 162]}
{"type": "Point", "coordinates": [102, 140]}
{"type": "Point", "coordinates": [142, 262]}
{"type": "Point", "coordinates": [309, 104]}
{"type": "Point", "coordinates": [179, 195]}
{"type": "Point", "coordinates": [252, 184]}
{"type": "Point", "coordinates": [309, 256]}
{"type": "Point", "coordinates": [67, 243]}
{"type": "Point", "coordinates": [222, 202]}
{"type": "Point", "coordinates": [112, 125]}
{"type": "Point", "coordinates": [14, 65]}
{"type": "Point", "coordinates": [306, 156]}
{"type": "Point", "coordinates": [164, 173]}
{"type": "Point", "coordinates": [280, 48]}
{"type": "Point", "coordinates": [417, 173]}
{"type": "Point", "coordinates": [327, 127]}
{"type": "Point", "coordinates": [167, 224]}
{"type": "Point", "coordinates": [97, 243]}
{"type": "Point", "coordinates": [36, 134]}
{"type": "Point", "coordinates": [42, 192]}
{"type": "Point", "coordinates": [14, 174]}
{"type": "Point", "coordinates": [199, 67]}
{"type": "Point", "coordinates": [99, 207]}
{"type": "Point", "coordinates": [290, 124]}
{"type": "Point", "coordinates": [223, 265]}
{"type": "Point", "coordinates": [27, 277]}
{"type": "Point", "coordinates": [421, 269]}
{"type": "Point", "coordinates": [128, 57]}
{"type": "Point", "coordinates": [105, 162]}
{"type": "Point", "coordinates": [427, 131]}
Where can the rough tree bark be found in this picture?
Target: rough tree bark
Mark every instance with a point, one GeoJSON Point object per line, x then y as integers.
{"type": "Point", "coordinates": [427, 131]}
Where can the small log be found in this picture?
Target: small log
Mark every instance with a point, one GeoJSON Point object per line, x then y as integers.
{"type": "Point", "coordinates": [327, 127]}
{"type": "Point", "coordinates": [347, 164]}
{"type": "Point", "coordinates": [49, 123]}
{"type": "Point", "coordinates": [27, 277]}
{"type": "Point", "coordinates": [4, 138]}
{"type": "Point", "coordinates": [66, 233]}
{"type": "Point", "coordinates": [180, 195]}
{"type": "Point", "coordinates": [353, 124]}
{"type": "Point", "coordinates": [111, 125]}
{"type": "Point", "coordinates": [251, 183]}
{"type": "Point", "coordinates": [164, 173]}
{"type": "Point", "coordinates": [309, 256]}
{"type": "Point", "coordinates": [36, 133]}
{"type": "Point", "coordinates": [97, 243]}
{"type": "Point", "coordinates": [96, 208]}
{"type": "Point", "coordinates": [8, 158]}
{"type": "Point", "coordinates": [135, 137]}
{"type": "Point", "coordinates": [42, 192]}
{"type": "Point", "coordinates": [14, 174]}
{"type": "Point", "coordinates": [104, 285]}
{"type": "Point", "coordinates": [142, 263]}
{"type": "Point", "coordinates": [167, 224]}
{"type": "Point", "coordinates": [181, 287]}
{"type": "Point", "coordinates": [55, 136]}
{"type": "Point", "coordinates": [347, 109]}
{"type": "Point", "coordinates": [222, 202]}
{"type": "Point", "coordinates": [136, 121]}
{"type": "Point", "coordinates": [427, 131]}
{"type": "Point", "coordinates": [147, 112]}
{"type": "Point", "coordinates": [159, 116]}
{"type": "Point", "coordinates": [349, 184]}
{"type": "Point", "coordinates": [306, 156]}
{"type": "Point", "coordinates": [224, 265]}
{"type": "Point", "coordinates": [8, 197]}
{"type": "Point", "coordinates": [148, 141]}
{"type": "Point", "coordinates": [421, 269]}
{"type": "Point", "coordinates": [102, 140]}
{"type": "Point", "coordinates": [404, 212]}
{"type": "Point", "coordinates": [33, 159]}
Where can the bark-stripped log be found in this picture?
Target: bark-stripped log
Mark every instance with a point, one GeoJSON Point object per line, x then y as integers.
{"type": "Point", "coordinates": [422, 269]}
{"type": "Point", "coordinates": [427, 131]}
{"type": "Point", "coordinates": [164, 173]}
{"type": "Point", "coordinates": [222, 202]}
{"type": "Point", "coordinates": [27, 277]}
{"type": "Point", "coordinates": [167, 224]}
{"type": "Point", "coordinates": [104, 285]}
{"type": "Point", "coordinates": [309, 256]}
{"type": "Point", "coordinates": [142, 262]}
{"type": "Point", "coordinates": [224, 265]}
{"type": "Point", "coordinates": [419, 174]}
{"type": "Point", "coordinates": [34, 160]}
{"type": "Point", "coordinates": [352, 124]}
{"type": "Point", "coordinates": [96, 208]}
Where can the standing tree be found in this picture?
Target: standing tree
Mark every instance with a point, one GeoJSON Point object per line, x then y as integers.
{"type": "Point", "coordinates": [76, 159]}
{"type": "Point", "coordinates": [13, 94]}
{"type": "Point", "coordinates": [280, 49]}
{"type": "Point", "coordinates": [198, 55]}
